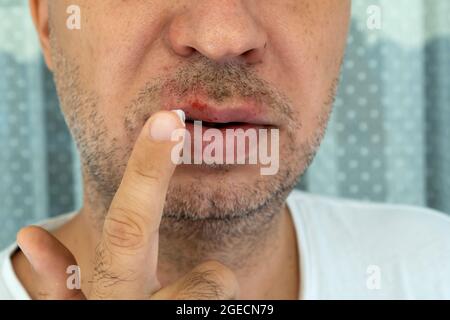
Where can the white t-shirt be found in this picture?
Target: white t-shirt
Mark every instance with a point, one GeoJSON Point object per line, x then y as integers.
{"type": "Point", "coordinates": [348, 250]}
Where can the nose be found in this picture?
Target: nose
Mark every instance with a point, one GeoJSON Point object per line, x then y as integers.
{"type": "Point", "coordinates": [221, 30]}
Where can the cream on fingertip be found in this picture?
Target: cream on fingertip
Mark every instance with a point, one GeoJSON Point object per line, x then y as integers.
{"type": "Point", "coordinates": [180, 113]}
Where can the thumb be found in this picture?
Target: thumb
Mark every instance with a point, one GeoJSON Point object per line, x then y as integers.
{"type": "Point", "coordinates": [52, 264]}
{"type": "Point", "coordinates": [210, 280]}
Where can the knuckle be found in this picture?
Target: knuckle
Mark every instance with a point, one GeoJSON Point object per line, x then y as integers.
{"type": "Point", "coordinates": [109, 274]}
{"type": "Point", "coordinates": [123, 229]}
{"type": "Point", "coordinates": [43, 295]}
{"type": "Point", "coordinates": [148, 174]}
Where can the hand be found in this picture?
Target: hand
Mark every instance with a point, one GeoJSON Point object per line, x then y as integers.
{"type": "Point", "coordinates": [126, 258]}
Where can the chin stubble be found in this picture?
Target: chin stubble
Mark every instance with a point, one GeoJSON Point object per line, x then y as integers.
{"type": "Point", "coordinates": [212, 219]}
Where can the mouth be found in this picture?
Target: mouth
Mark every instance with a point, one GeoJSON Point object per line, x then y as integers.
{"type": "Point", "coordinates": [216, 125]}
{"type": "Point", "coordinates": [242, 114]}
{"type": "Point", "coordinates": [221, 126]}
{"type": "Point", "coordinates": [232, 130]}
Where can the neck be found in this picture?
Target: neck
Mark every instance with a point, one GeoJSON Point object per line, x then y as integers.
{"type": "Point", "coordinates": [265, 262]}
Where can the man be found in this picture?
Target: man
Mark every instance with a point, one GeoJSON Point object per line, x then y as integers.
{"type": "Point", "coordinates": [151, 228]}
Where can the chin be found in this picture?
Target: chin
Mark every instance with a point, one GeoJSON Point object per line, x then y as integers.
{"type": "Point", "coordinates": [216, 174]}
{"type": "Point", "coordinates": [222, 192]}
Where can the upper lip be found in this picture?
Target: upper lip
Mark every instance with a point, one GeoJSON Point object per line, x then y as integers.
{"type": "Point", "coordinates": [238, 112]}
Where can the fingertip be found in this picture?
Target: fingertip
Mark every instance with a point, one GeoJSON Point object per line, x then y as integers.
{"type": "Point", "coordinates": [39, 246]}
{"type": "Point", "coordinates": [26, 235]}
{"type": "Point", "coordinates": [180, 113]}
{"type": "Point", "coordinates": [163, 124]}
{"type": "Point", "coordinates": [223, 275]}
{"type": "Point", "coordinates": [31, 236]}
{"type": "Point", "coordinates": [26, 240]}
{"type": "Point", "coordinates": [227, 275]}
{"type": "Point", "coordinates": [27, 232]}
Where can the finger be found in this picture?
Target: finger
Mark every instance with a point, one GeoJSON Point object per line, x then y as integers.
{"type": "Point", "coordinates": [208, 281]}
{"type": "Point", "coordinates": [127, 255]}
{"type": "Point", "coordinates": [50, 261]}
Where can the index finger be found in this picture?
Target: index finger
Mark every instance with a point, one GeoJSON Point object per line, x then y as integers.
{"type": "Point", "coordinates": [126, 258]}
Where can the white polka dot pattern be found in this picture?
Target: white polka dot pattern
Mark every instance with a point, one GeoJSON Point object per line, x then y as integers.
{"type": "Point", "coordinates": [388, 138]}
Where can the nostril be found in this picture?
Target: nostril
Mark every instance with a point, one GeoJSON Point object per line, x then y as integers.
{"type": "Point", "coordinates": [254, 55]}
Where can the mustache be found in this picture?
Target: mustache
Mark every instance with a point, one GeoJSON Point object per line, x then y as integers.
{"type": "Point", "coordinates": [218, 82]}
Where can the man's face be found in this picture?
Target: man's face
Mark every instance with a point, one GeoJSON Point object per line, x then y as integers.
{"type": "Point", "coordinates": [262, 63]}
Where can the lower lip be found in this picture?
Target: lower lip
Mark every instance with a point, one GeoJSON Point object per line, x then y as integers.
{"type": "Point", "coordinates": [223, 129]}
{"type": "Point", "coordinates": [197, 133]}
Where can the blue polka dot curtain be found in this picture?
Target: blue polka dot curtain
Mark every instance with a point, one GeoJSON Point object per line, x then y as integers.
{"type": "Point", "coordinates": [388, 139]}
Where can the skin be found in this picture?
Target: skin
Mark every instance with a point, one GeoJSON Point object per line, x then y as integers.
{"type": "Point", "coordinates": [231, 235]}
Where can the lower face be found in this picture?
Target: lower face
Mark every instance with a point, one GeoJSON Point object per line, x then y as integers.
{"type": "Point", "coordinates": [122, 67]}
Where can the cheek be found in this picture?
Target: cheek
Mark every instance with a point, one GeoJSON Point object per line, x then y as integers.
{"type": "Point", "coordinates": [307, 60]}
{"type": "Point", "coordinates": [119, 48]}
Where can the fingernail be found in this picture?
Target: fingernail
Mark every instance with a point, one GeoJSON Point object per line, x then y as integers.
{"type": "Point", "coordinates": [27, 255]}
{"type": "Point", "coordinates": [163, 125]}
{"type": "Point", "coordinates": [181, 115]}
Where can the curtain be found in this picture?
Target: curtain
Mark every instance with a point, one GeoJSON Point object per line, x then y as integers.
{"type": "Point", "coordinates": [388, 138]}
{"type": "Point", "coordinates": [39, 175]}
